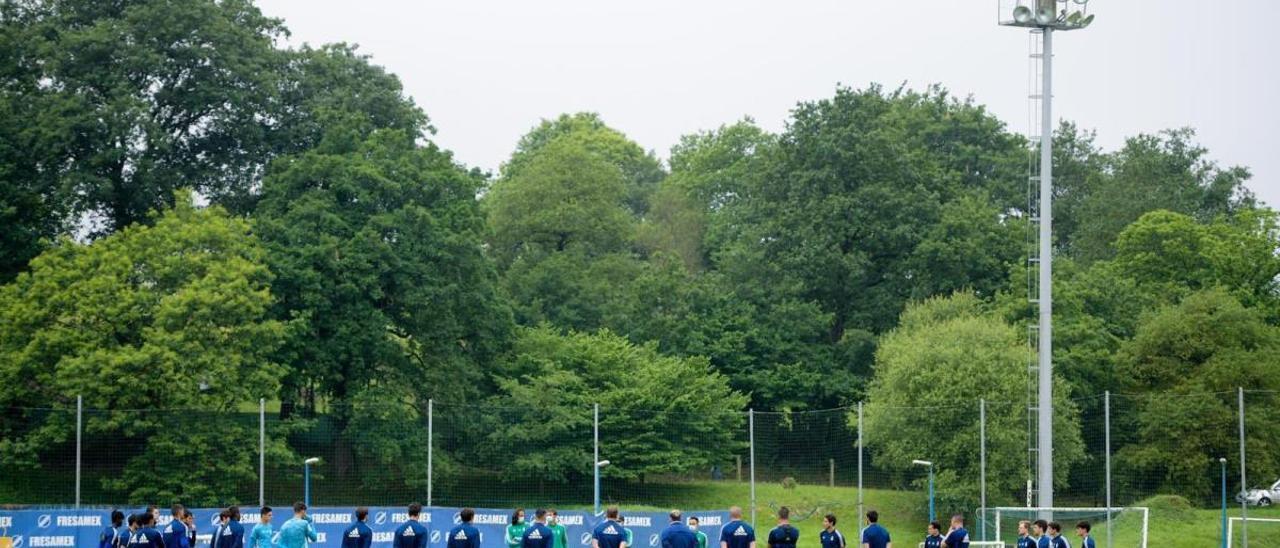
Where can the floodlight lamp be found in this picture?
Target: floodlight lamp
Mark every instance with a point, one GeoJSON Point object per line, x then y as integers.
{"type": "Point", "coordinates": [1082, 2]}
{"type": "Point", "coordinates": [1045, 16]}
{"type": "Point", "coordinates": [1086, 21]}
{"type": "Point", "coordinates": [1022, 15]}
{"type": "Point", "coordinates": [312, 460]}
{"type": "Point", "coordinates": [922, 462]}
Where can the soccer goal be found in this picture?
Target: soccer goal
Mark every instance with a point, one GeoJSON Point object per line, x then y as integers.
{"type": "Point", "coordinates": [1270, 523]}
{"type": "Point", "coordinates": [1119, 527]}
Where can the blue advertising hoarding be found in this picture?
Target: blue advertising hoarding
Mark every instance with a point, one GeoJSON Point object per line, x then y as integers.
{"type": "Point", "coordinates": [41, 528]}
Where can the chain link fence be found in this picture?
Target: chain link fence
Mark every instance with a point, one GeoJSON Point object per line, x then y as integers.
{"type": "Point", "coordinates": [912, 464]}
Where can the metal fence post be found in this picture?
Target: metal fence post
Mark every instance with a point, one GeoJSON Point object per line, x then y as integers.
{"type": "Point", "coordinates": [751, 434]}
{"type": "Point", "coordinates": [431, 439]}
{"type": "Point", "coordinates": [595, 461]}
{"type": "Point", "coordinates": [262, 451]}
{"type": "Point", "coordinates": [1106, 419]}
{"type": "Point", "coordinates": [861, 510]}
{"type": "Point", "coordinates": [79, 431]}
{"type": "Point", "coordinates": [1244, 485]}
{"type": "Point", "coordinates": [982, 474]}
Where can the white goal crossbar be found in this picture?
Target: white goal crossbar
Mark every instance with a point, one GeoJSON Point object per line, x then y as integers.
{"type": "Point", "coordinates": [1022, 511]}
{"type": "Point", "coordinates": [1231, 541]}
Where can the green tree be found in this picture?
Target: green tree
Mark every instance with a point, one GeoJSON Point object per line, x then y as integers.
{"type": "Point", "coordinates": [1171, 255]}
{"type": "Point", "coordinates": [1152, 172]}
{"type": "Point", "coordinates": [563, 197]}
{"type": "Point", "coordinates": [710, 173]}
{"type": "Point", "coordinates": [945, 355]}
{"type": "Point", "coordinates": [172, 316]}
{"type": "Point", "coordinates": [641, 171]}
{"type": "Point", "coordinates": [1188, 359]}
{"type": "Point", "coordinates": [124, 102]}
{"type": "Point", "coordinates": [377, 249]}
{"type": "Point", "coordinates": [658, 414]}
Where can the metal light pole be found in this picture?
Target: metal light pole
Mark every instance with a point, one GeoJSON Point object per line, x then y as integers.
{"type": "Point", "coordinates": [599, 464]}
{"type": "Point", "coordinates": [1223, 462]}
{"type": "Point", "coordinates": [1044, 17]}
{"type": "Point", "coordinates": [595, 468]}
{"type": "Point", "coordinates": [932, 515]}
{"type": "Point", "coordinates": [306, 479]}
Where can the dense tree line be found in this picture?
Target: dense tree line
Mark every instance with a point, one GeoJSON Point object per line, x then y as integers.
{"type": "Point", "coordinates": [873, 250]}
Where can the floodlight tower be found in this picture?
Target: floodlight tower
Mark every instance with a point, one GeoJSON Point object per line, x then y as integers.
{"type": "Point", "coordinates": [1043, 17]}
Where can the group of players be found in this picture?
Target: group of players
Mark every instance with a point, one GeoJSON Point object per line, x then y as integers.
{"type": "Point", "coordinates": [546, 531]}
{"type": "Point", "coordinates": [142, 530]}
{"type": "Point", "coordinates": [1042, 534]}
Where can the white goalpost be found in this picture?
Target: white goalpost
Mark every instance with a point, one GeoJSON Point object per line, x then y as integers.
{"type": "Point", "coordinates": [1105, 521]}
{"type": "Point", "coordinates": [1231, 523]}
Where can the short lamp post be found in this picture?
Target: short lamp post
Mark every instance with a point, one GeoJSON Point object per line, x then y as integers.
{"type": "Point", "coordinates": [932, 515]}
{"type": "Point", "coordinates": [1223, 463]}
{"type": "Point", "coordinates": [306, 479]}
{"type": "Point", "coordinates": [599, 464]}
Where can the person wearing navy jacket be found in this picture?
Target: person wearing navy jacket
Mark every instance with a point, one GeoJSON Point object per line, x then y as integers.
{"type": "Point", "coordinates": [175, 532]}
{"type": "Point", "coordinates": [677, 534]}
{"type": "Point", "coordinates": [412, 534]}
{"type": "Point", "coordinates": [147, 536]}
{"type": "Point", "coordinates": [538, 535]}
{"type": "Point", "coordinates": [464, 535]}
{"type": "Point", "coordinates": [110, 535]}
{"type": "Point", "coordinates": [359, 535]}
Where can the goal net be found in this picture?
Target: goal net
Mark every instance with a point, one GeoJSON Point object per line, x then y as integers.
{"type": "Point", "coordinates": [1120, 527]}
{"type": "Point", "coordinates": [1262, 531]}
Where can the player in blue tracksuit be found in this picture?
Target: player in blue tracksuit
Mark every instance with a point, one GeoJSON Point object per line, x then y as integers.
{"type": "Point", "coordinates": [537, 534]}
{"type": "Point", "coordinates": [830, 537]}
{"type": "Point", "coordinates": [677, 534]}
{"type": "Point", "coordinates": [1042, 533]}
{"type": "Point", "coordinates": [784, 535]}
{"type": "Point", "coordinates": [359, 535]}
{"type": "Point", "coordinates": [1058, 541]}
{"type": "Point", "coordinates": [736, 533]}
{"type": "Point", "coordinates": [958, 537]}
{"type": "Point", "coordinates": [609, 533]}
{"type": "Point", "coordinates": [1025, 540]}
{"type": "Point", "coordinates": [875, 535]}
{"type": "Point", "coordinates": [412, 534]}
{"type": "Point", "coordinates": [175, 532]}
{"type": "Point", "coordinates": [147, 536]}
{"type": "Point", "coordinates": [237, 530]}
{"type": "Point", "coordinates": [464, 535]}
{"type": "Point", "coordinates": [110, 535]}
{"type": "Point", "coordinates": [262, 534]}
{"type": "Point", "coordinates": [1083, 528]}
{"type": "Point", "coordinates": [933, 539]}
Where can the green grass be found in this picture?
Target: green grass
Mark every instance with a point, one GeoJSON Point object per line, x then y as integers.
{"type": "Point", "coordinates": [1174, 523]}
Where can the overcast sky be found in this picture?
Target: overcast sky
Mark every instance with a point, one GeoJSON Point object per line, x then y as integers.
{"type": "Point", "coordinates": [486, 71]}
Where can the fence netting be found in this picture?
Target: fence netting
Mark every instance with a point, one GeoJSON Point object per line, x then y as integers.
{"type": "Point", "coordinates": [1168, 451]}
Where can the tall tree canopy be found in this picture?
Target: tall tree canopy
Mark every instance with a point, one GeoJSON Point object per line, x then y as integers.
{"type": "Point", "coordinates": [946, 353]}
{"type": "Point", "coordinates": [377, 250]}
{"type": "Point", "coordinates": [172, 316]}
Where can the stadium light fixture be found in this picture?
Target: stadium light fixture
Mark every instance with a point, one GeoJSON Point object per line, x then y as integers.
{"type": "Point", "coordinates": [306, 479]}
{"type": "Point", "coordinates": [602, 463]}
{"type": "Point", "coordinates": [919, 462]}
{"type": "Point", "coordinates": [1044, 18]}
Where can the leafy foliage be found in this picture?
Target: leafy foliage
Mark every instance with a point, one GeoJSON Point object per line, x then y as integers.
{"type": "Point", "coordinates": [947, 353]}
{"type": "Point", "coordinates": [172, 316]}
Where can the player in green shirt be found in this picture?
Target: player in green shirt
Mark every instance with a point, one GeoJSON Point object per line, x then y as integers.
{"type": "Point", "coordinates": [559, 535]}
{"type": "Point", "coordinates": [515, 530]}
{"type": "Point", "coordinates": [702, 537]}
